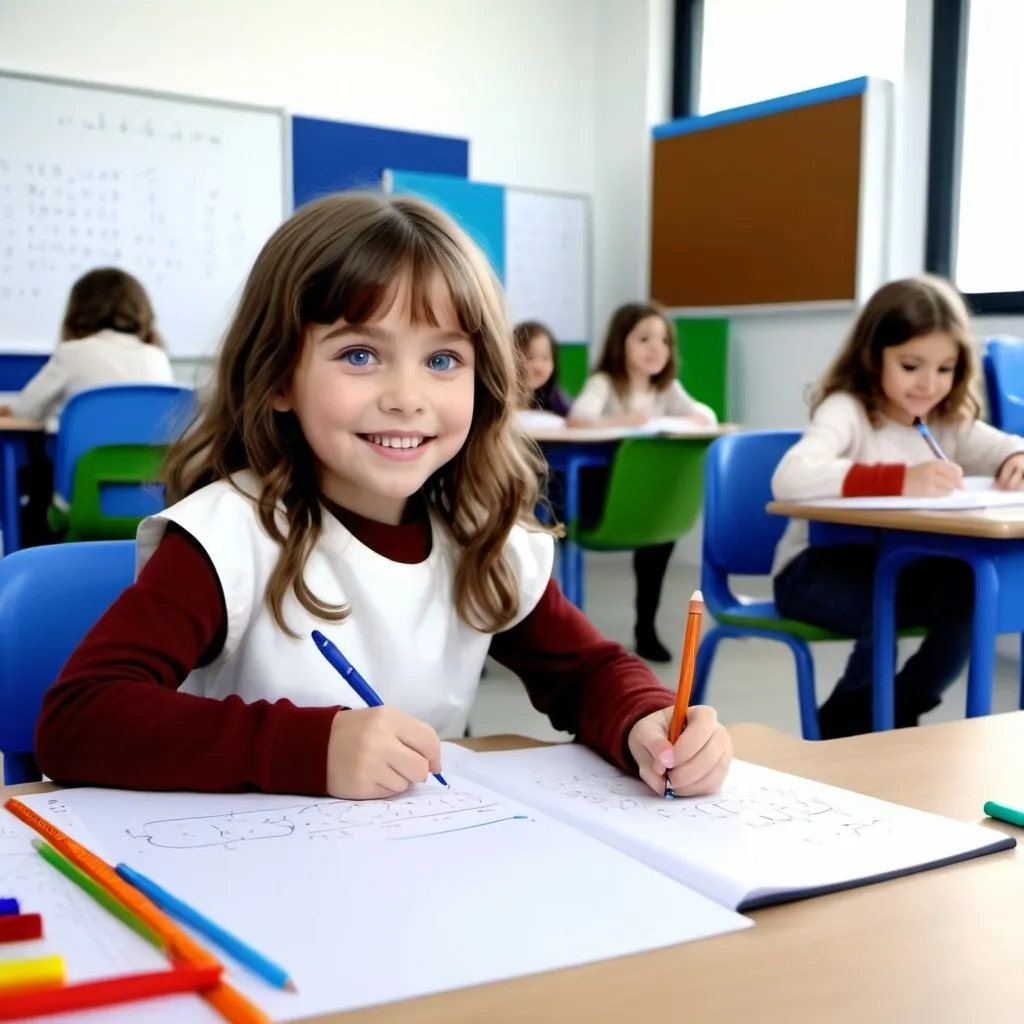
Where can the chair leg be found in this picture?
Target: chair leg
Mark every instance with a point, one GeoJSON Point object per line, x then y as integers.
{"type": "Point", "coordinates": [705, 658]}
{"type": "Point", "coordinates": [806, 695]}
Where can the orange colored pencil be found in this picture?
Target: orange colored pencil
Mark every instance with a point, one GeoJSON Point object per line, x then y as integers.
{"type": "Point", "coordinates": [687, 664]}
{"type": "Point", "coordinates": [231, 1005]}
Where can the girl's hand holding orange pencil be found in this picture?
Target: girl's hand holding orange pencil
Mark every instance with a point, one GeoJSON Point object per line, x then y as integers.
{"type": "Point", "coordinates": [374, 753]}
{"type": "Point", "coordinates": [697, 763]}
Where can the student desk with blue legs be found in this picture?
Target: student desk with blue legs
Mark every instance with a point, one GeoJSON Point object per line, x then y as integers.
{"type": "Point", "coordinates": [941, 946]}
{"type": "Point", "coordinates": [568, 450]}
{"type": "Point", "coordinates": [14, 435]}
{"type": "Point", "coordinates": [991, 541]}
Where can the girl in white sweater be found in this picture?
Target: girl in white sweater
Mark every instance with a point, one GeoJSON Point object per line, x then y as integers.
{"type": "Point", "coordinates": [910, 355]}
{"type": "Point", "coordinates": [636, 381]}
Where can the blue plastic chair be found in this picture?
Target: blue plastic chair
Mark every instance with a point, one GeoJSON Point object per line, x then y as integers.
{"type": "Point", "coordinates": [50, 597]}
{"type": "Point", "coordinates": [119, 414]}
{"type": "Point", "coordinates": [1004, 381]}
{"type": "Point", "coordinates": [740, 539]}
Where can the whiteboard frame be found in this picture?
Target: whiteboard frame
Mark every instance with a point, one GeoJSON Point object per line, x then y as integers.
{"type": "Point", "coordinates": [281, 113]}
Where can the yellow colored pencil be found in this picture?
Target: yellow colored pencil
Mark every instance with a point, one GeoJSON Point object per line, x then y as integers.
{"type": "Point", "coordinates": [41, 972]}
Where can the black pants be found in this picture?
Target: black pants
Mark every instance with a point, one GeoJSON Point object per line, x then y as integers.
{"type": "Point", "coordinates": [649, 563]}
{"type": "Point", "coordinates": [35, 484]}
{"type": "Point", "coordinates": [833, 587]}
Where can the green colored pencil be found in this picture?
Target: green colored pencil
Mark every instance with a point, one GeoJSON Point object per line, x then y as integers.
{"type": "Point", "coordinates": [98, 893]}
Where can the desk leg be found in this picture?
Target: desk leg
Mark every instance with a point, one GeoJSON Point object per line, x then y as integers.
{"type": "Point", "coordinates": [10, 506]}
{"type": "Point", "coordinates": [884, 629]}
{"type": "Point", "coordinates": [981, 674]}
{"type": "Point", "coordinates": [572, 557]}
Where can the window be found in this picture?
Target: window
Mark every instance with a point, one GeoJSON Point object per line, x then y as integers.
{"type": "Point", "coordinates": [753, 50]}
{"type": "Point", "coordinates": [989, 235]}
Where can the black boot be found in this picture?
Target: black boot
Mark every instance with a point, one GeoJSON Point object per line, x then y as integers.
{"type": "Point", "coordinates": [845, 713]}
{"type": "Point", "coordinates": [649, 566]}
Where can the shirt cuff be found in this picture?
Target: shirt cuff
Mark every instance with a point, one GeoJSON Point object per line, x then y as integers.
{"type": "Point", "coordinates": [871, 481]}
{"type": "Point", "coordinates": [296, 757]}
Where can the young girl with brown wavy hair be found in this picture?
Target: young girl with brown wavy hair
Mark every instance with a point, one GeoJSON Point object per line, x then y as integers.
{"type": "Point", "coordinates": [357, 469]}
{"type": "Point", "coordinates": [909, 356]}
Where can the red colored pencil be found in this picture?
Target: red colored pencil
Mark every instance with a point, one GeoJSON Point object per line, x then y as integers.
{"type": "Point", "coordinates": [107, 992]}
{"type": "Point", "coordinates": [21, 927]}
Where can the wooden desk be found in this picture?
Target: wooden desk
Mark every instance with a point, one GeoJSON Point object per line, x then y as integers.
{"type": "Point", "coordinates": [1005, 523]}
{"type": "Point", "coordinates": [598, 435]}
{"type": "Point", "coordinates": [991, 541]}
{"type": "Point", "coordinates": [944, 946]}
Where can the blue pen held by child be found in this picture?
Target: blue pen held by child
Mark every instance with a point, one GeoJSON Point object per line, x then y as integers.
{"type": "Point", "coordinates": [348, 672]}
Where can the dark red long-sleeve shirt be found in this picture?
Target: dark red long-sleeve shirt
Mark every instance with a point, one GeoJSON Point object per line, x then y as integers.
{"type": "Point", "coordinates": [115, 716]}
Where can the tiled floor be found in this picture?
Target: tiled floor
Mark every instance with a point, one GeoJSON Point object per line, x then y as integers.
{"type": "Point", "coordinates": [752, 680]}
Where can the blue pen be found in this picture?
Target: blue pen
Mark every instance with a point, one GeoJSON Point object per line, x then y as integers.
{"type": "Point", "coordinates": [235, 947]}
{"type": "Point", "coordinates": [348, 671]}
{"type": "Point", "coordinates": [922, 429]}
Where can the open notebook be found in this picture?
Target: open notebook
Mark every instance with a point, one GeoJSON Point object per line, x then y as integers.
{"type": "Point", "coordinates": [978, 492]}
{"type": "Point", "coordinates": [766, 838]}
{"type": "Point", "coordinates": [534, 860]}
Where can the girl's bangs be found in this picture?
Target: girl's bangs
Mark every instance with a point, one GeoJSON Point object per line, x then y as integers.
{"type": "Point", "coordinates": [362, 282]}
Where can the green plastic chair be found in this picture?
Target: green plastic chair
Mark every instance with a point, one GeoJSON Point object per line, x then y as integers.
{"type": "Point", "coordinates": [115, 488]}
{"type": "Point", "coordinates": [655, 493]}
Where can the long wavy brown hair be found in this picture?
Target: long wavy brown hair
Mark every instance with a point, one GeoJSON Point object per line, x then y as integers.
{"type": "Point", "coordinates": [613, 354]}
{"type": "Point", "coordinates": [109, 299]}
{"type": "Point", "coordinates": [344, 257]}
{"type": "Point", "coordinates": [898, 312]}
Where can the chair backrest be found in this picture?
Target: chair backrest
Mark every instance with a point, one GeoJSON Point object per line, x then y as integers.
{"type": "Point", "coordinates": [118, 414]}
{"type": "Point", "coordinates": [1004, 381]}
{"type": "Point", "coordinates": [654, 493]}
{"type": "Point", "coordinates": [115, 488]}
{"type": "Point", "coordinates": [739, 535]}
{"type": "Point", "coordinates": [50, 597]}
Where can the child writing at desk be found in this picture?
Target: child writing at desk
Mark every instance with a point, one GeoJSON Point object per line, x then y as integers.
{"type": "Point", "coordinates": [636, 381]}
{"type": "Point", "coordinates": [108, 336]}
{"type": "Point", "coordinates": [356, 470]}
{"type": "Point", "coordinates": [910, 355]}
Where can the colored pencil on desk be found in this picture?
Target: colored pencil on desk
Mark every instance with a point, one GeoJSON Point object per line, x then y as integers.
{"type": "Point", "coordinates": [231, 1005]}
{"type": "Point", "coordinates": [21, 927]}
{"type": "Point", "coordinates": [38, 972]}
{"type": "Point", "coordinates": [231, 944]}
{"type": "Point", "coordinates": [687, 665]}
{"type": "Point", "coordinates": [107, 992]}
{"type": "Point", "coordinates": [98, 893]}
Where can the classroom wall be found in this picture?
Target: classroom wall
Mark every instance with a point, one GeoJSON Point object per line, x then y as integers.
{"type": "Point", "coordinates": [553, 94]}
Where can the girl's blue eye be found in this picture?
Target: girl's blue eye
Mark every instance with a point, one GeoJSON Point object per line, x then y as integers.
{"type": "Point", "coordinates": [357, 356]}
{"type": "Point", "coordinates": [441, 361]}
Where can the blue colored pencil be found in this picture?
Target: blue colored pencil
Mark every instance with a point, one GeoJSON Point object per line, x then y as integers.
{"type": "Point", "coordinates": [235, 947]}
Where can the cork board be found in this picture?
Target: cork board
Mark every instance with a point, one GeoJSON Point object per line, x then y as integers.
{"type": "Point", "coordinates": [761, 210]}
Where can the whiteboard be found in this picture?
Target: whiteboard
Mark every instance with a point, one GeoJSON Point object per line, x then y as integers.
{"type": "Point", "coordinates": [547, 245]}
{"type": "Point", "coordinates": [181, 193]}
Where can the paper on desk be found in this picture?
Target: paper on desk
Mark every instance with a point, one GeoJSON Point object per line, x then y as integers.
{"type": "Point", "coordinates": [978, 492]}
{"type": "Point", "coordinates": [765, 837]}
{"type": "Point", "coordinates": [368, 902]}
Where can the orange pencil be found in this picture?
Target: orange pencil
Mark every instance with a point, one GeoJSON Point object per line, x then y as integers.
{"type": "Point", "coordinates": [687, 663]}
{"type": "Point", "coordinates": [231, 1005]}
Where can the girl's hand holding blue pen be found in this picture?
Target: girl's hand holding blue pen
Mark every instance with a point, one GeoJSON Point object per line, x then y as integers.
{"type": "Point", "coordinates": [932, 479]}
{"type": "Point", "coordinates": [375, 753]}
